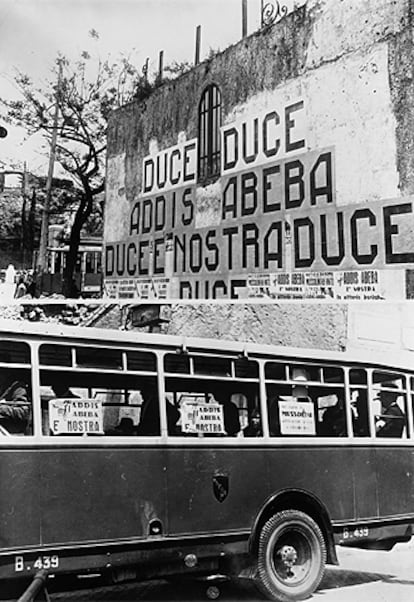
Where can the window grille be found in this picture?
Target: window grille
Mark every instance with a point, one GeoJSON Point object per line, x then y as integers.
{"type": "Point", "coordinates": [209, 133]}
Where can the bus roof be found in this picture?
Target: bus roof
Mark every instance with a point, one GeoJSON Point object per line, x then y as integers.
{"type": "Point", "coordinates": [402, 359]}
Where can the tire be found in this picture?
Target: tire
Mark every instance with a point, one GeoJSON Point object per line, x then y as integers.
{"type": "Point", "coordinates": [291, 556]}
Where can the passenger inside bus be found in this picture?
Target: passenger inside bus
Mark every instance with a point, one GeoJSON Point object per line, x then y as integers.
{"type": "Point", "coordinates": [359, 408]}
{"type": "Point", "coordinates": [391, 421]}
{"type": "Point", "coordinates": [125, 427]}
{"type": "Point", "coordinates": [232, 424]}
{"type": "Point", "coordinates": [149, 424]}
{"type": "Point", "coordinates": [62, 390]}
{"type": "Point", "coordinates": [15, 407]}
{"type": "Point", "coordinates": [273, 414]}
{"type": "Point", "coordinates": [334, 418]}
{"type": "Point", "coordinates": [254, 428]}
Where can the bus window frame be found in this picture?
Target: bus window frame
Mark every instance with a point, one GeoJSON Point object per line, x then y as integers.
{"type": "Point", "coordinates": [72, 439]}
{"type": "Point", "coordinates": [405, 392]}
{"type": "Point", "coordinates": [196, 376]}
{"type": "Point", "coordinates": [261, 381]}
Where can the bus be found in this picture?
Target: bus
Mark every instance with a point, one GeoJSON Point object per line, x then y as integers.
{"type": "Point", "coordinates": [88, 269]}
{"type": "Point", "coordinates": [146, 455]}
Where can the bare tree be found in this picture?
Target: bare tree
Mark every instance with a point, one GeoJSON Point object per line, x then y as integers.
{"type": "Point", "coordinates": [89, 90]}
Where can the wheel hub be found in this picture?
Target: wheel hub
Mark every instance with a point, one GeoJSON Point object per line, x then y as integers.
{"type": "Point", "coordinates": [288, 557]}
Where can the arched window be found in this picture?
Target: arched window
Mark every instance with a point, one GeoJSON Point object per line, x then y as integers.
{"type": "Point", "coordinates": [209, 122]}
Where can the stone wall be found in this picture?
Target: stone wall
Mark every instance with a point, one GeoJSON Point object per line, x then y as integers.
{"type": "Point", "coordinates": [302, 325]}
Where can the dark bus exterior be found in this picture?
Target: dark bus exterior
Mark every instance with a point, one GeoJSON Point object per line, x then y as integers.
{"type": "Point", "coordinates": [147, 456]}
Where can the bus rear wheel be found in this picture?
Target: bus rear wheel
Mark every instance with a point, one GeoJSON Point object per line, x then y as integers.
{"type": "Point", "coordinates": [291, 556]}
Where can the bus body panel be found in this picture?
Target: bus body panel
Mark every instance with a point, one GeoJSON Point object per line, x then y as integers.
{"type": "Point", "coordinates": [101, 494]}
{"type": "Point", "coordinates": [363, 462]}
{"type": "Point", "coordinates": [305, 468]}
{"type": "Point", "coordinates": [213, 490]}
{"type": "Point", "coordinates": [395, 473]}
{"type": "Point", "coordinates": [20, 485]}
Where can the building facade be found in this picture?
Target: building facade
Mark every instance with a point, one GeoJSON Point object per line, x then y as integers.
{"type": "Point", "coordinates": [280, 168]}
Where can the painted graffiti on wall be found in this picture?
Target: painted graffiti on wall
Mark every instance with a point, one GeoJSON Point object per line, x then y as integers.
{"type": "Point", "coordinates": [276, 214]}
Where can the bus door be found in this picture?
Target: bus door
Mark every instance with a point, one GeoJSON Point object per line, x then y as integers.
{"type": "Point", "coordinates": [216, 482]}
{"type": "Point", "coordinates": [103, 471]}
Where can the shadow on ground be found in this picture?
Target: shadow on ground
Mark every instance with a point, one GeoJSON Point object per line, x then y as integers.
{"type": "Point", "coordinates": [190, 591]}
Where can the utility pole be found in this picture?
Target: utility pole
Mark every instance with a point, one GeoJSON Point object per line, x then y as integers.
{"type": "Point", "coordinates": [197, 45]}
{"type": "Point", "coordinates": [244, 18]}
{"type": "Point", "coordinates": [44, 232]}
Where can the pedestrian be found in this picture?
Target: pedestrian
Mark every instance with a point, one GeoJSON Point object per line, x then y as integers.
{"type": "Point", "coordinates": [21, 289]}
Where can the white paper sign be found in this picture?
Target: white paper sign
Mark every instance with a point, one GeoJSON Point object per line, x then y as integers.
{"type": "Point", "coordinates": [76, 416]}
{"type": "Point", "coordinates": [297, 418]}
{"type": "Point", "coordinates": [206, 418]}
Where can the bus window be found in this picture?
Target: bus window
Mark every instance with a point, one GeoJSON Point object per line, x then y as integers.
{"type": "Point", "coordinates": [301, 372]}
{"type": "Point", "coordinates": [276, 393]}
{"type": "Point", "coordinates": [389, 404]}
{"type": "Point", "coordinates": [93, 403]}
{"type": "Point", "coordinates": [99, 357]}
{"type": "Point", "coordinates": [55, 355]}
{"type": "Point", "coordinates": [98, 261]}
{"type": "Point", "coordinates": [358, 392]}
{"type": "Point", "coordinates": [212, 365]}
{"type": "Point", "coordinates": [89, 262]}
{"type": "Point", "coordinates": [177, 363]}
{"type": "Point", "coordinates": [275, 371]}
{"type": "Point", "coordinates": [359, 407]}
{"type": "Point", "coordinates": [14, 352]}
{"type": "Point", "coordinates": [332, 374]}
{"type": "Point", "coordinates": [412, 399]}
{"type": "Point", "coordinates": [303, 408]}
{"type": "Point", "coordinates": [15, 402]}
{"type": "Point", "coordinates": [205, 407]}
{"type": "Point", "coordinates": [331, 413]}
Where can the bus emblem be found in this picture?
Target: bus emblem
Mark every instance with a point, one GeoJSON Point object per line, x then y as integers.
{"type": "Point", "coordinates": [221, 486]}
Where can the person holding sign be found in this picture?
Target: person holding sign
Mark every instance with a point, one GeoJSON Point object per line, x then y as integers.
{"type": "Point", "coordinates": [14, 405]}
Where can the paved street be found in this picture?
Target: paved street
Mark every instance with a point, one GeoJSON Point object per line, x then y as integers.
{"type": "Point", "coordinates": [363, 576]}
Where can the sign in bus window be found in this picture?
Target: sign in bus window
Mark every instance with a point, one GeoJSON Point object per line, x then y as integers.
{"type": "Point", "coordinates": [204, 407]}
{"type": "Point", "coordinates": [120, 404]}
{"type": "Point", "coordinates": [75, 417]}
{"type": "Point", "coordinates": [15, 402]}
{"type": "Point", "coordinates": [198, 416]}
{"type": "Point", "coordinates": [297, 417]}
{"type": "Point", "coordinates": [306, 410]}
{"type": "Point", "coordinates": [389, 404]}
